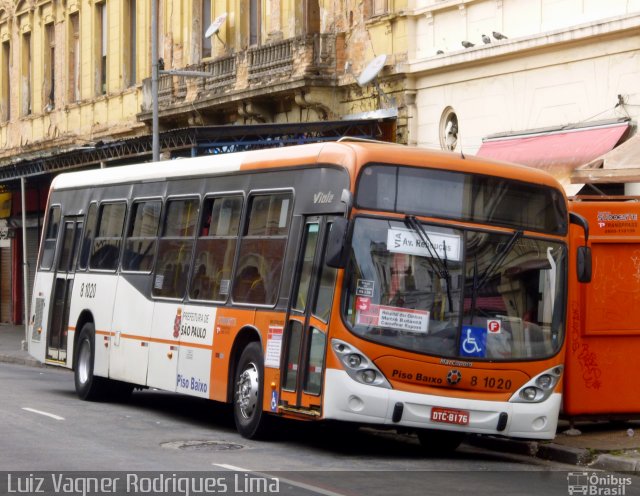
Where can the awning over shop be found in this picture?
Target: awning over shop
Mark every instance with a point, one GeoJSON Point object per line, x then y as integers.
{"type": "Point", "coordinates": [558, 153]}
{"type": "Point", "coordinates": [199, 140]}
{"type": "Point", "coordinates": [620, 165]}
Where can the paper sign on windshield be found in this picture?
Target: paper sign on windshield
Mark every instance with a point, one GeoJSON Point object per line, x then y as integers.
{"type": "Point", "coordinates": [408, 242]}
{"type": "Point", "coordinates": [404, 319]}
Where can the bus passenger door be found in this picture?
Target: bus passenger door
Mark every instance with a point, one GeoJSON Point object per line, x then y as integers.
{"type": "Point", "coordinates": [306, 330]}
{"type": "Point", "coordinates": [164, 346]}
{"type": "Point", "coordinates": [63, 288]}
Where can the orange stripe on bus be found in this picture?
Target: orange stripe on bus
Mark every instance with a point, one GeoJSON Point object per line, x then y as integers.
{"type": "Point", "coordinates": [154, 340]}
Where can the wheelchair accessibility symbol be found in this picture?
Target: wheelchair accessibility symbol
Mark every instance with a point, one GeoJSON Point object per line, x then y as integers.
{"type": "Point", "coordinates": [474, 341]}
{"type": "Point", "coordinates": [274, 401]}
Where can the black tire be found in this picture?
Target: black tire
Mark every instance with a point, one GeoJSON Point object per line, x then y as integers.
{"type": "Point", "coordinates": [437, 442]}
{"type": "Point", "coordinates": [88, 386]}
{"type": "Point", "coordinates": [248, 387]}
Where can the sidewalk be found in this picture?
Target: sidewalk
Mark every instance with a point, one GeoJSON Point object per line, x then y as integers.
{"type": "Point", "coordinates": [11, 338]}
{"type": "Point", "coordinates": [612, 446]}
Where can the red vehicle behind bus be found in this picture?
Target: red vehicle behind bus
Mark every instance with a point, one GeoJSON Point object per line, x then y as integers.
{"type": "Point", "coordinates": [603, 324]}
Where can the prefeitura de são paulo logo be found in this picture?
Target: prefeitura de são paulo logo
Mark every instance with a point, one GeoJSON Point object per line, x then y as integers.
{"type": "Point", "coordinates": [176, 323]}
{"type": "Point", "coordinates": [597, 484]}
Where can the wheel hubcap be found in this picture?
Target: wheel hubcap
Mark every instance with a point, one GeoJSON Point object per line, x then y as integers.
{"type": "Point", "coordinates": [84, 359]}
{"type": "Point", "coordinates": [247, 391]}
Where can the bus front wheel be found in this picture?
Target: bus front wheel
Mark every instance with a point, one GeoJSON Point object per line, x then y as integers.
{"type": "Point", "coordinates": [248, 392]}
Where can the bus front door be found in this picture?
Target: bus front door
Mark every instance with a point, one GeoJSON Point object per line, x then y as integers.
{"type": "Point", "coordinates": [306, 329]}
{"type": "Point", "coordinates": [62, 288]}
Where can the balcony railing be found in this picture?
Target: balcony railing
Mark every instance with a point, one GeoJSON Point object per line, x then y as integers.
{"type": "Point", "coordinates": [313, 56]}
{"type": "Point", "coordinates": [271, 60]}
{"type": "Point", "coordinates": [223, 74]}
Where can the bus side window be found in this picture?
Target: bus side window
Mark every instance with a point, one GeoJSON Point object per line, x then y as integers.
{"type": "Point", "coordinates": [106, 245]}
{"type": "Point", "coordinates": [87, 239]}
{"type": "Point", "coordinates": [141, 240]}
{"type": "Point", "coordinates": [174, 248]}
{"type": "Point", "coordinates": [53, 225]}
{"type": "Point", "coordinates": [216, 248]}
{"type": "Point", "coordinates": [262, 249]}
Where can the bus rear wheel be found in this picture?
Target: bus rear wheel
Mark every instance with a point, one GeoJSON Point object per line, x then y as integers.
{"type": "Point", "coordinates": [248, 393]}
{"type": "Point", "coordinates": [88, 386]}
{"type": "Point", "coordinates": [435, 442]}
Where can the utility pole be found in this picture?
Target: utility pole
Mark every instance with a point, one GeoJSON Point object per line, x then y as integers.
{"type": "Point", "coordinates": [155, 72]}
{"type": "Point", "coordinates": [155, 139]}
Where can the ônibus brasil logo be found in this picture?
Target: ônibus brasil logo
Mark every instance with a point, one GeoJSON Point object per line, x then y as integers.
{"type": "Point", "coordinates": [597, 484]}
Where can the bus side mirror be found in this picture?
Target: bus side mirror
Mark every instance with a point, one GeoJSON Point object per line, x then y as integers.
{"type": "Point", "coordinates": [583, 264]}
{"type": "Point", "coordinates": [583, 261]}
{"type": "Point", "coordinates": [336, 254]}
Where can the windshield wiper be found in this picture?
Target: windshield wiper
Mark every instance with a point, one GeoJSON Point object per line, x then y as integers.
{"type": "Point", "coordinates": [488, 273]}
{"type": "Point", "coordinates": [498, 259]}
{"type": "Point", "coordinates": [437, 264]}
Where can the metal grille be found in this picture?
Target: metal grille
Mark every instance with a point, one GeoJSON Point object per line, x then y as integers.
{"type": "Point", "coordinates": [37, 322]}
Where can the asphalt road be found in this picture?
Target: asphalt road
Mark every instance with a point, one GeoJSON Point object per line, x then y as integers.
{"type": "Point", "coordinates": [46, 432]}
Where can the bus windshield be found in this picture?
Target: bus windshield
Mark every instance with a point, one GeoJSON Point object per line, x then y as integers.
{"type": "Point", "coordinates": [462, 196]}
{"type": "Point", "coordinates": [455, 293]}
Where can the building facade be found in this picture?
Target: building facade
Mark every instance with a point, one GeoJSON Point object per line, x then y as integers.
{"type": "Point", "coordinates": [76, 92]}
{"type": "Point", "coordinates": [508, 73]}
{"type": "Point", "coordinates": [76, 88]}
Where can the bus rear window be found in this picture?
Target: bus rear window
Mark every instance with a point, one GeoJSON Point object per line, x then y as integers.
{"type": "Point", "coordinates": [462, 196]}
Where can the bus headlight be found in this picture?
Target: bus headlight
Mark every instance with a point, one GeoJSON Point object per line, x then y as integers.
{"type": "Point", "coordinates": [529, 393]}
{"type": "Point", "coordinates": [368, 376]}
{"type": "Point", "coordinates": [545, 381]}
{"type": "Point", "coordinates": [539, 388]}
{"type": "Point", "coordinates": [358, 366]}
{"type": "Point", "coordinates": [354, 360]}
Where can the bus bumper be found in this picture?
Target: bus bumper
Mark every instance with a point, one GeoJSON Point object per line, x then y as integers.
{"type": "Point", "coordinates": [348, 400]}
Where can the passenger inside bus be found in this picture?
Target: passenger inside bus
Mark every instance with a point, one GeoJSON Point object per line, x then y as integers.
{"type": "Point", "coordinates": [250, 286]}
{"type": "Point", "coordinates": [201, 284]}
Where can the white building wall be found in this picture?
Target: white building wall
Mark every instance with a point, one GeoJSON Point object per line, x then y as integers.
{"type": "Point", "coordinates": [564, 62]}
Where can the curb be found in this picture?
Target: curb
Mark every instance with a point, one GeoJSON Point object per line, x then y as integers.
{"type": "Point", "coordinates": [569, 455]}
{"type": "Point", "coordinates": [615, 463]}
{"type": "Point", "coordinates": [504, 445]}
{"type": "Point", "coordinates": [564, 454]}
{"type": "Point", "coordinates": [21, 360]}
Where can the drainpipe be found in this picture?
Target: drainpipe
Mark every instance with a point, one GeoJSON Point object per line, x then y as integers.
{"type": "Point", "coordinates": [25, 264]}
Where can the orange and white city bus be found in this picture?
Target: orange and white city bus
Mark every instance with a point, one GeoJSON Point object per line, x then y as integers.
{"type": "Point", "coordinates": [351, 281]}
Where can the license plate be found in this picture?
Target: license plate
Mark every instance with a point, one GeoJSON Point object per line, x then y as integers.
{"type": "Point", "coordinates": [449, 416]}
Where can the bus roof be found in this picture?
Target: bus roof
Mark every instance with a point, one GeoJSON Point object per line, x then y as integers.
{"type": "Point", "coordinates": [349, 154]}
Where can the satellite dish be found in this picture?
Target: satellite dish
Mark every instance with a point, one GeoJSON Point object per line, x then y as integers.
{"type": "Point", "coordinates": [371, 70]}
{"type": "Point", "coordinates": [215, 25]}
